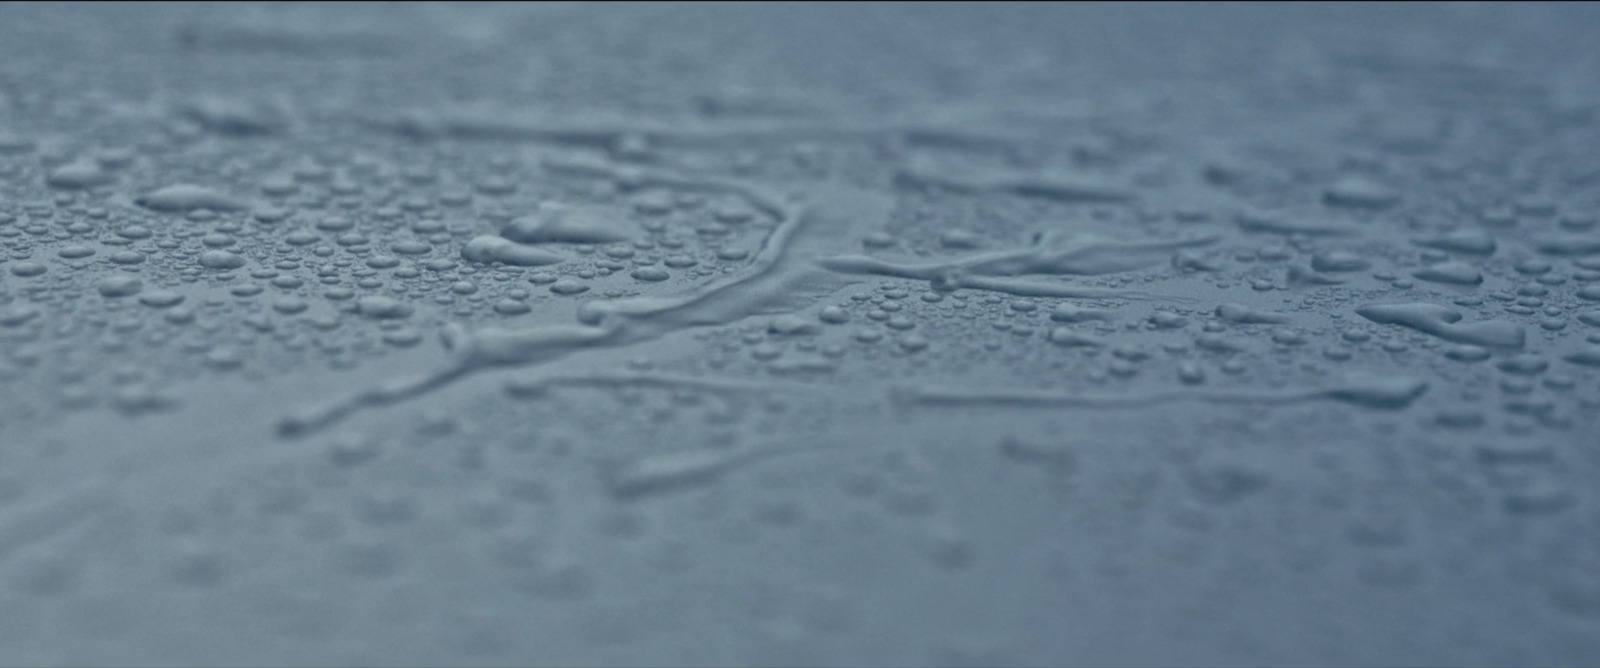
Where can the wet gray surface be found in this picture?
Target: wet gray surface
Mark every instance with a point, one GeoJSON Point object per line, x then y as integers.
{"type": "Point", "coordinates": [799, 335]}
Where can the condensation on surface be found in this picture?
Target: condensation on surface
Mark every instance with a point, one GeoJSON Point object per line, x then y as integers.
{"type": "Point", "coordinates": [682, 334]}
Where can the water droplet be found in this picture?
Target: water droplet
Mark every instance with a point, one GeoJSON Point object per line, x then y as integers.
{"type": "Point", "coordinates": [188, 197]}
{"type": "Point", "coordinates": [116, 286]}
{"type": "Point", "coordinates": [561, 223]}
{"type": "Point", "coordinates": [650, 274]}
{"type": "Point", "coordinates": [221, 260]}
{"type": "Point", "coordinates": [380, 307]}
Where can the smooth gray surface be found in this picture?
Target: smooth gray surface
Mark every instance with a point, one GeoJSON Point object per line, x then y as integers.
{"type": "Point", "coordinates": [799, 334]}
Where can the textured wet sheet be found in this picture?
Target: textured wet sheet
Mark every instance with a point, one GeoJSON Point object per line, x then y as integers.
{"type": "Point", "coordinates": [799, 335]}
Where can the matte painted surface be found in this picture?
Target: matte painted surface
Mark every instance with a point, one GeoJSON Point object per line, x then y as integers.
{"type": "Point", "coordinates": [799, 334]}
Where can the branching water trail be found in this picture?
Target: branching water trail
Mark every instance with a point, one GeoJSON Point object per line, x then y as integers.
{"type": "Point", "coordinates": [791, 271]}
{"type": "Point", "coordinates": [781, 279]}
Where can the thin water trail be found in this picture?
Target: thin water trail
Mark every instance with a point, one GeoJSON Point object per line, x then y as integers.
{"type": "Point", "coordinates": [634, 177]}
{"type": "Point", "coordinates": [49, 519]}
{"type": "Point", "coordinates": [472, 352]}
{"type": "Point", "coordinates": [1445, 323]}
{"type": "Point", "coordinates": [1058, 188]}
{"type": "Point", "coordinates": [997, 271]}
{"type": "Point", "coordinates": [963, 129]}
{"type": "Point", "coordinates": [1083, 256]}
{"type": "Point", "coordinates": [538, 384]}
{"type": "Point", "coordinates": [653, 475]}
{"type": "Point", "coordinates": [1370, 392]}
